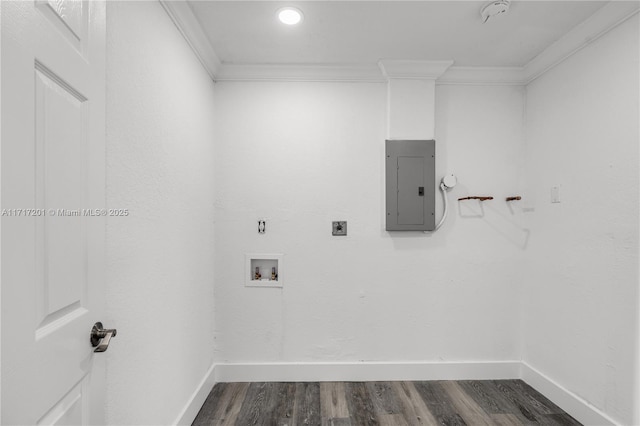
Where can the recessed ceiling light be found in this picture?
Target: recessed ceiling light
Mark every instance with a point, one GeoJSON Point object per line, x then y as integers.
{"type": "Point", "coordinates": [290, 15]}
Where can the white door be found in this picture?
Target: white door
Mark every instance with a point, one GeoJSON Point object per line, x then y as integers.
{"type": "Point", "coordinates": [52, 164]}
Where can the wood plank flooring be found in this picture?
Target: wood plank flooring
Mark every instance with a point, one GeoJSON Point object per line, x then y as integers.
{"type": "Point", "coordinates": [449, 403]}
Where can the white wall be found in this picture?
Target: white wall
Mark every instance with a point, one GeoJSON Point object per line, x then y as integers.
{"type": "Point", "coordinates": [302, 154]}
{"type": "Point", "coordinates": [160, 258]}
{"type": "Point", "coordinates": [0, 183]}
{"type": "Point", "coordinates": [581, 281]}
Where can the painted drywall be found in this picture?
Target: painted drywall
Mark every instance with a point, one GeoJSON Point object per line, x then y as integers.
{"type": "Point", "coordinates": [0, 222]}
{"type": "Point", "coordinates": [159, 258]}
{"type": "Point", "coordinates": [301, 154]}
{"type": "Point", "coordinates": [411, 110]}
{"type": "Point", "coordinates": [581, 280]}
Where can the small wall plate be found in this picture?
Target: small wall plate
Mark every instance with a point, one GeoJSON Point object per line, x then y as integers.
{"type": "Point", "coordinates": [339, 227]}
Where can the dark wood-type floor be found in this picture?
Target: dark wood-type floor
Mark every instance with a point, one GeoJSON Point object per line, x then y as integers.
{"type": "Point", "coordinates": [450, 403]}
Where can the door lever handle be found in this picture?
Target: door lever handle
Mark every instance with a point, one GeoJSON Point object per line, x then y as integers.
{"type": "Point", "coordinates": [100, 337]}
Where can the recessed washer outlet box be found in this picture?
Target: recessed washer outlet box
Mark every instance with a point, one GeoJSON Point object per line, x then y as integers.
{"type": "Point", "coordinates": [263, 270]}
{"type": "Point", "coordinates": [339, 227]}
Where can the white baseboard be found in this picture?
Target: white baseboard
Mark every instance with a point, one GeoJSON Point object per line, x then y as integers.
{"type": "Point", "coordinates": [580, 409]}
{"type": "Point", "coordinates": [366, 371]}
{"type": "Point", "coordinates": [576, 406]}
{"type": "Point", "coordinates": [191, 409]}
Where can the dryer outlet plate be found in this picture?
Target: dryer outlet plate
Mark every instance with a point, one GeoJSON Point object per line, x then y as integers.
{"type": "Point", "coordinates": [339, 227]}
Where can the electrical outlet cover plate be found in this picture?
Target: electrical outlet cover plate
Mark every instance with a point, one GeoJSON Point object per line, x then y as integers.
{"type": "Point", "coordinates": [339, 227]}
{"type": "Point", "coordinates": [555, 194]}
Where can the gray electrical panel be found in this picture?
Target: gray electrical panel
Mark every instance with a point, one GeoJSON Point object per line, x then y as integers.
{"type": "Point", "coordinates": [411, 186]}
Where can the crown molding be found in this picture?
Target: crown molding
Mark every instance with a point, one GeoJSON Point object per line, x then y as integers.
{"type": "Point", "coordinates": [190, 28]}
{"type": "Point", "coordinates": [484, 76]}
{"type": "Point", "coordinates": [401, 69]}
{"type": "Point", "coordinates": [444, 72]}
{"type": "Point", "coordinates": [600, 23]}
{"type": "Point", "coordinates": [369, 73]}
{"type": "Point", "coordinates": [300, 72]}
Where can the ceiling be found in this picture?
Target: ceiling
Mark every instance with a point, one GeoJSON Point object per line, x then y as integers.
{"type": "Point", "coordinates": [353, 32]}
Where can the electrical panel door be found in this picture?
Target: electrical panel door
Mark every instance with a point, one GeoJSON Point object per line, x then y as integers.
{"type": "Point", "coordinates": [410, 185]}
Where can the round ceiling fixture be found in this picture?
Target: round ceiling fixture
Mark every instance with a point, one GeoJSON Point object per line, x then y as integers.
{"type": "Point", "coordinates": [290, 15]}
{"type": "Point", "coordinates": [493, 9]}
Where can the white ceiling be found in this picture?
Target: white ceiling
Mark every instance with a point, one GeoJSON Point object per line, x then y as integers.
{"type": "Point", "coordinates": [347, 32]}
